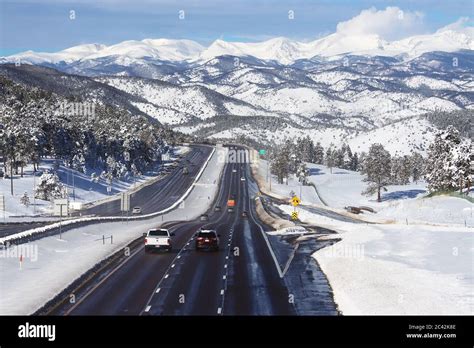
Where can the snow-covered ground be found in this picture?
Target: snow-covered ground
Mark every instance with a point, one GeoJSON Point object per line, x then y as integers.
{"type": "Point", "coordinates": [307, 194]}
{"type": "Point", "coordinates": [400, 204]}
{"type": "Point", "coordinates": [80, 187]}
{"type": "Point", "coordinates": [398, 269]}
{"type": "Point", "coordinates": [50, 264]}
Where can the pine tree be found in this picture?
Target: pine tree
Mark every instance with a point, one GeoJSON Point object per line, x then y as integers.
{"type": "Point", "coordinates": [330, 158]}
{"type": "Point", "coordinates": [377, 168]}
{"type": "Point", "coordinates": [49, 187]}
{"type": "Point", "coordinates": [318, 156]}
{"type": "Point", "coordinates": [417, 165]}
{"type": "Point", "coordinates": [25, 200]}
{"type": "Point", "coordinates": [448, 162]}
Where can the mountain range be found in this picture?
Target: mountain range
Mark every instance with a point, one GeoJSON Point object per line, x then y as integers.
{"type": "Point", "coordinates": [280, 49]}
{"type": "Point", "coordinates": [357, 89]}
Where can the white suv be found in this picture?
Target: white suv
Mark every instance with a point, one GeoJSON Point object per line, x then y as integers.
{"type": "Point", "coordinates": [158, 238]}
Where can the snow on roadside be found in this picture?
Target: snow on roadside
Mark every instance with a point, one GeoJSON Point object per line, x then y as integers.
{"type": "Point", "coordinates": [398, 269]}
{"type": "Point", "coordinates": [54, 263]}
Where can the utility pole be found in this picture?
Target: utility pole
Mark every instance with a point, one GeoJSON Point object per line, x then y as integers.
{"type": "Point", "coordinates": [34, 192]}
{"type": "Point", "coordinates": [73, 188]}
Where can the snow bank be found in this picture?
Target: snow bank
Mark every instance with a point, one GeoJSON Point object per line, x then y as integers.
{"type": "Point", "coordinates": [398, 269]}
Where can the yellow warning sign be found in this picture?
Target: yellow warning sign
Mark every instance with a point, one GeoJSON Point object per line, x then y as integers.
{"type": "Point", "coordinates": [294, 215]}
{"type": "Point", "coordinates": [295, 201]}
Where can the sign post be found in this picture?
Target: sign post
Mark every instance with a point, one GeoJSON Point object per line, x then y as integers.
{"type": "Point", "coordinates": [295, 201]}
{"type": "Point", "coordinates": [2, 205]}
{"type": "Point", "coordinates": [124, 203]}
{"type": "Point", "coordinates": [61, 208]}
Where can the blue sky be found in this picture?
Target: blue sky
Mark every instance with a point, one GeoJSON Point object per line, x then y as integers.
{"type": "Point", "coordinates": [45, 25]}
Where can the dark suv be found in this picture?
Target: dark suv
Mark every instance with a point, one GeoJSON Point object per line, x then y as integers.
{"type": "Point", "coordinates": [207, 239]}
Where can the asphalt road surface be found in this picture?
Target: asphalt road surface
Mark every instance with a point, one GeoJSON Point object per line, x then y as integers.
{"type": "Point", "coordinates": [239, 279]}
{"type": "Point", "coordinates": [162, 193]}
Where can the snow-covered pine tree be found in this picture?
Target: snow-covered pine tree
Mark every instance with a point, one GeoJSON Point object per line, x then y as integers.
{"type": "Point", "coordinates": [377, 166]}
{"type": "Point", "coordinates": [330, 157]}
{"type": "Point", "coordinates": [49, 187]}
{"type": "Point", "coordinates": [417, 165]}
{"type": "Point", "coordinates": [318, 157]}
{"type": "Point", "coordinates": [302, 173]}
{"type": "Point", "coordinates": [25, 200]}
{"type": "Point", "coordinates": [354, 162]}
{"type": "Point", "coordinates": [448, 163]}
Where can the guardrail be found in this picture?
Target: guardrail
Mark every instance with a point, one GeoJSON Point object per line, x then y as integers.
{"type": "Point", "coordinates": [40, 232]}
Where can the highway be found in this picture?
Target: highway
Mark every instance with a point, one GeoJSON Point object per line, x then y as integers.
{"type": "Point", "coordinates": [151, 198]}
{"type": "Point", "coordinates": [162, 193]}
{"type": "Point", "coordinates": [240, 279]}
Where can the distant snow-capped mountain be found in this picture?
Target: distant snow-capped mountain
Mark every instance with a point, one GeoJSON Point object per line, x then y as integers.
{"type": "Point", "coordinates": [281, 50]}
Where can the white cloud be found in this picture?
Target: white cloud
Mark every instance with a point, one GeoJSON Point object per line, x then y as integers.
{"type": "Point", "coordinates": [390, 24]}
{"type": "Point", "coordinates": [461, 25]}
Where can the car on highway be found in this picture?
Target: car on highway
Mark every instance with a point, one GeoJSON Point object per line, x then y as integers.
{"type": "Point", "coordinates": [234, 170]}
{"type": "Point", "coordinates": [245, 214]}
{"type": "Point", "coordinates": [204, 217]}
{"type": "Point", "coordinates": [242, 179]}
{"type": "Point", "coordinates": [207, 239]}
{"type": "Point", "coordinates": [158, 239]}
{"type": "Point", "coordinates": [136, 210]}
{"type": "Point", "coordinates": [217, 208]}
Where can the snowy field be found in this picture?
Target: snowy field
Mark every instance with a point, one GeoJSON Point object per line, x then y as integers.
{"type": "Point", "coordinates": [80, 187]}
{"type": "Point", "coordinates": [398, 269]}
{"type": "Point", "coordinates": [400, 204]}
{"type": "Point", "coordinates": [50, 264]}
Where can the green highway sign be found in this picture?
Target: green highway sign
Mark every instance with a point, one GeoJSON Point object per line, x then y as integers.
{"type": "Point", "coordinates": [262, 152]}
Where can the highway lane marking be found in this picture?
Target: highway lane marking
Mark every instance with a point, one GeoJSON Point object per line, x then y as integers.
{"type": "Point", "coordinates": [179, 256]}
{"type": "Point", "coordinates": [157, 290]}
{"type": "Point", "coordinates": [167, 274]}
{"type": "Point", "coordinates": [172, 266]}
{"type": "Point", "coordinates": [87, 294]}
{"type": "Point", "coordinates": [147, 309]}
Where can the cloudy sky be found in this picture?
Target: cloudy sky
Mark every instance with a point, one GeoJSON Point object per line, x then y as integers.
{"type": "Point", "coordinates": [52, 25]}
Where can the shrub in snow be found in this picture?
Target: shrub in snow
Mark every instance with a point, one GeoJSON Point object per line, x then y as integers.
{"type": "Point", "coordinates": [25, 200]}
{"type": "Point", "coordinates": [49, 187]}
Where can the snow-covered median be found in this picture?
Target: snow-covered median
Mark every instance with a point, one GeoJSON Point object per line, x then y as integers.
{"type": "Point", "coordinates": [398, 269]}
{"type": "Point", "coordinates": [55, 263]}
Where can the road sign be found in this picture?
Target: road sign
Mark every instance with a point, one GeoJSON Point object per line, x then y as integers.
{"type": "Point", "coordinates": [295, 201]}
{"type": "Point", "coordinates": [61, 207]}
{"type": "Point", "coordinates": [294, 215]}
{"type": "Point", "coordinates": [262, 152]}
{"type": "Point", "coordinates": [124, 201]}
